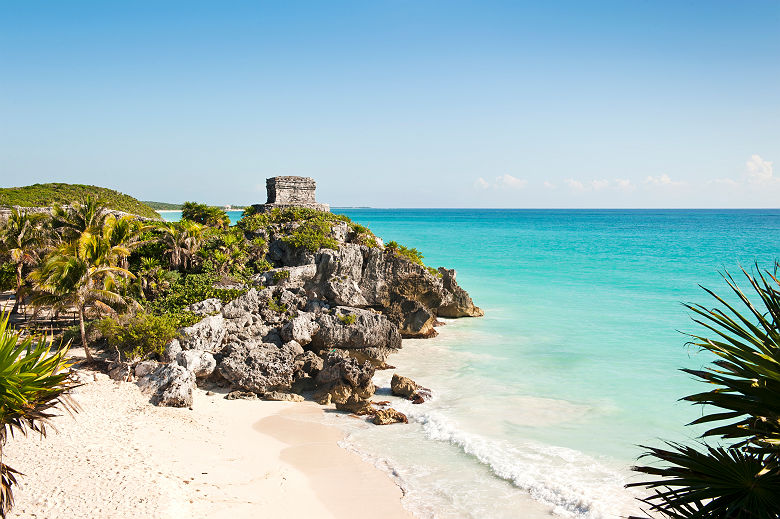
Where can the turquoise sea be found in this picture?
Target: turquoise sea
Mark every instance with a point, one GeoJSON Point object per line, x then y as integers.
{"type": "Point", "coordinates": [540, 405]}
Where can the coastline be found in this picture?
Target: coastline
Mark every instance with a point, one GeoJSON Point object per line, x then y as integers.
{"type": "Point", "coordinates": [121, 456]}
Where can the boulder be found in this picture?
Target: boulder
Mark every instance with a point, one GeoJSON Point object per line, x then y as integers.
{"type": "Point", "coordinates": [241, 395]}
{"type": "Point", "coordinates": [145, 367]}
{"type": "Point", "coordinates": [171, 350]}
{"type": "Point", "coordinates": [169, 385]}
{"type": "Point", "coordinates": [201, 363]}
{"type": "Point", "coordinates": [355, 328]}
{"type": "Point", "coordinates": [289, 277]}
{"type": "Point", "coordinates": [356, 405]}
{"type": "Point", "coordinates": [246, 304]}
{"type": "Point", "coordinates": [408, 388]}
{"type": "Point", "coordinates": [300, 328]}
{"type": "Point", "coordinates": [389, 416]}
{"type": "Point", "coordinates": [206, 334]}
{"type": "Point", "coordinates": [260, 368]}
{"type": "Point", "coordinates": [343, 376]}
{"type": "Point", "coordinates": [282, 397]}
{"type": "Point", "coordinates": [459, 303]}
{"type": "Point", "coordinates": [209, 306]}
{"type": "Point", "coordinates": [309, 363]}
{"type": "Point", "coordinates": [338, 275]}
{"type": "Point", "coordinates": [293, 348]}
{"type": "Point", "coordinates": [120, 371]}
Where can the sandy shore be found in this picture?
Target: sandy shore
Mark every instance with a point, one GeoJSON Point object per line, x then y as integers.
{"type": "Point", "coordinates": [122, 457]}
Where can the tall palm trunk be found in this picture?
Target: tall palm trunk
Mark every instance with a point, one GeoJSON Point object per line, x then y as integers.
{"type": "Point", "coordinates": [18, 294]}
{"type": "Point", "coordinates": [84, 332]}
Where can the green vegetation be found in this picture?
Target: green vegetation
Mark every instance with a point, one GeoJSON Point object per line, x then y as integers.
{"type": "Point", "coordinates": [277, 306]}
{"type": "Point", "coordinates": [34, 381]}
{"type": "Point", "coordinates": [205, 215]}
{"type": "Point", "coordinates": [281, 275]}
{"type": "Point", "coordinates": [347, 319]}
{"type": "Point", "coordinates": [412, 254]}
{"type": "Point", "coordinates": [742, 407]}
{"type": "Point", "coordinates": [46, 195]}
{"type": "Point", "coordinates": [143, 334]}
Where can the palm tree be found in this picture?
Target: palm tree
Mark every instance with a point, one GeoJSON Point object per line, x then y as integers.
{"type": "Point", "coordinates": [79, 274]}
{"type": "Point", "coordinates": [741, 480]}
{"type": "Point", "coordinates": [182, 241]}
{"type": "Point", "coordinates": [71, 221]}
{"type": "Point", "coordinates": [33, 382]}
{"type": "Point", "coordinates": [21, 237]}
{"type": "Point", "coordinates": [205, 215]}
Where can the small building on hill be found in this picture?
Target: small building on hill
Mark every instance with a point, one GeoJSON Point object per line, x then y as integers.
{"type": "Point", "coordinates": [286, 192]}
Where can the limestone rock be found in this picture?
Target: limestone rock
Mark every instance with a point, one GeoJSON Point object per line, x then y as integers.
{"type": "Point", "coordinates": [206, 334]}
{"type": "Point", "coordinates": [389, 416]}
{"type": "Point", "coordinates": [241, 395]}
{"type": "Point", "coordinates": [459, 303]}
{"type": "Point", "coordinates": [300, 328]}
{"type": "Point", "coordinates": [144, 368]}
{"type": "Point", "coordinates": [260, 368]}
{"type": "Point", "coordinates": [341, 377]}
{"type": "Point", "coordinates": [206, 307]}
{"type": "Point", "coordinates": [356, 405]}
{"type": "Point", "coordinates": [309, 363]}
{"type": "Point", "coordinates": [201, 363]}
{"type": "Point", "coordinates": [120, 371]}
{"type": "Point", "coordinates": [169, 385]}
{"type": "Point", "coordinates": [408, 388]}
{"type": "Point", "coordinates": [355, 328]}
{"type": "Point", "coordinates": [283, 397]}
{"type": "Point", "coordinates": [171, 350]}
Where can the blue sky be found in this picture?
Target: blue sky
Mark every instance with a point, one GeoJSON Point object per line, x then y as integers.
{"type": "Point", "coordinates": [398, 104]}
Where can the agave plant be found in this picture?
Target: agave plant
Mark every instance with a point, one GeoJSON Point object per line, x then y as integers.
{"type": "Point", "coordinates": [34, 380]}
{"type": "Point", "coordinates": [742, 479]}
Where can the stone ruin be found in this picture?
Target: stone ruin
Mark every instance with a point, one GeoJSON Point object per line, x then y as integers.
{"type": "Point", "coordinates": [286, 192]}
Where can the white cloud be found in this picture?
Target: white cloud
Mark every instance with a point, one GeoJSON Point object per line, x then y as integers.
{"type": "Point", "coordinates": [729, 182]}
{"type": "Point", "coordinates": [759, 171]}
{"type": "Point", "coordinates": [549, 185]}
{"type": "Point", "coordinates": [663, 181]}
{"type": "Point", "coordinates": [598, 185]}
{"type": "Point", "coordinates": [576, 185]}
{"type": "Point", "coordinates": [503, 181]}
{"type": "Point", "coordinates": [590, 185]}
{"type": "Point", "coordinates": [624, 184]}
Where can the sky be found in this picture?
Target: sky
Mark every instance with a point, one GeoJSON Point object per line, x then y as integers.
{"type": "Point", "coordinates": [400, 103]}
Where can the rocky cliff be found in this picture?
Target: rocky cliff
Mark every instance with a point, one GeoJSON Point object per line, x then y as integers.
{"type": "Point", "coordinates": [336, 304]}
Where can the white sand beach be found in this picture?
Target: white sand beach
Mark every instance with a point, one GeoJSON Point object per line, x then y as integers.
{"type": "Point", "coordinates": [123, 457]}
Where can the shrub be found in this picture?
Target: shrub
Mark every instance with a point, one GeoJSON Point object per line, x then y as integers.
{"type": "Point", "coordinates": [312, 235]}
{"type": "Point", "coordinates": [280, 275]}
{"type": "Point", "coordinates": [190, 289]}
{"type": "Point", "coordinates": [347, 319]}
{"type": "Point", "coordinates": [7, 276]}
{"type": "Point", "coordinates": [142, 334]}
{"type": "Point", "coordinates": [412, 254]}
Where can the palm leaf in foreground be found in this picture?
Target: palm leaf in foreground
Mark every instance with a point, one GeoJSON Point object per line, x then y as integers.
{"type": "Point", "coordinates": [712, 482]}
{"type": "Point", "coordinates": [34, 380]}
{"type": "Point", "coordinates": [742, 479]}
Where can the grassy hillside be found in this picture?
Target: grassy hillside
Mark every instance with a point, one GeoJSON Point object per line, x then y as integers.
{"type": "Point", "coordinates": [44, 195]}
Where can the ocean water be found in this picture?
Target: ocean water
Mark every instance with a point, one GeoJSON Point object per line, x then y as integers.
{"type": "Point", "coordinates": [539, 407]}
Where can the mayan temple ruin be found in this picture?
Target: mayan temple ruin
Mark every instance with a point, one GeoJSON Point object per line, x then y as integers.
{"type": "Point", "coordinates": [285, 192]}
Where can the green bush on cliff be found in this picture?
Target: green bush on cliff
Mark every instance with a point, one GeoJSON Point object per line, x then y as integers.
{"type": "Point", "coordinates": [312, 235]}
{"type": "Point", "coordinates": [46, 195]}
{"type": "Point", "coordinates": [192, 288]}
{"type": "Point", "coordinates": [412, 254]}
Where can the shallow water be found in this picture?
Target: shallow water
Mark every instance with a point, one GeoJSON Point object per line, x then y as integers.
{"type": "Point", "coordinates": [539, 406]}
